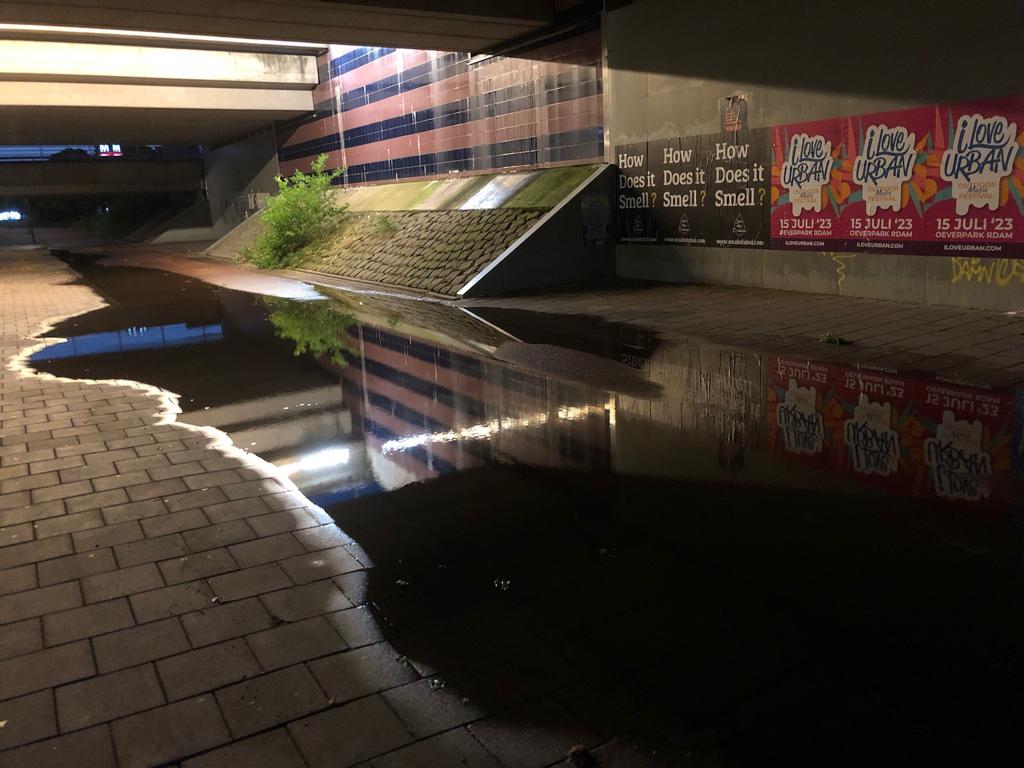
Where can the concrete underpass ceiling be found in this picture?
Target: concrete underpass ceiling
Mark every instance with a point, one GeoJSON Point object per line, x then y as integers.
{"type": "Point", "coordinates": [57, 125]}
{"type": "Point", "coordinates": [457, 25]}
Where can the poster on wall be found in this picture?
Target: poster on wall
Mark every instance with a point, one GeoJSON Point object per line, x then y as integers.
{"type": "Point", "coordinates": [930, 180]}
{"type": "Point", "coordinates": [945, 180]}
{"type": "Point", "coordinates": [696, 190]}
{"type": "Point", "coordinates": [636, 195]}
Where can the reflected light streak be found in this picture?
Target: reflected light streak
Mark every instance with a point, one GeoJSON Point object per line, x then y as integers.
{"type": "Point", "coordinates": [328, 457]}
{"type": "Point", "coordinates": [493, 427]}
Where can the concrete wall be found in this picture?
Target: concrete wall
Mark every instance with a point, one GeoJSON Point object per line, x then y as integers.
{"type": "Point", "coordinates": [232, 171]}
{"type": "Point", "coordinates": [571, 245]}
{"type": "Point", "coordinates": [669, 63]}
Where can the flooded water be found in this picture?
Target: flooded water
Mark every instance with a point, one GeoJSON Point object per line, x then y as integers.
{"type": "Point", "coordinates": [723, 556]}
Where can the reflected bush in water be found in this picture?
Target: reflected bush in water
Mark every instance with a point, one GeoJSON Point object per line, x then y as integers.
{"type": "Point", "coordinates": [317, 327]}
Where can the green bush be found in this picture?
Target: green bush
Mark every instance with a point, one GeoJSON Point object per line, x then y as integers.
{"type": "Point", "coordinates": [300, 215]}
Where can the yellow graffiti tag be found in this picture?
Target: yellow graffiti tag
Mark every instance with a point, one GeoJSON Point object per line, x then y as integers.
{"type": "Point", "coordinates": [999, 272]}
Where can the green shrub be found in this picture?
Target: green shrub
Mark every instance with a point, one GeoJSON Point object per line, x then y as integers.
{"type": "Point", "coordinates": [300, 215]}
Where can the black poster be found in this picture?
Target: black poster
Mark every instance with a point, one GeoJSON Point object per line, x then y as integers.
{"type": "Point", "coordinates": [636, 195]}
{"type": "Point", "coordinates": [696, 190]}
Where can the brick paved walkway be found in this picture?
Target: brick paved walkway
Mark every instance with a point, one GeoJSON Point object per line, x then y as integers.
{"type": "Point", "coordinates": [165, 600]}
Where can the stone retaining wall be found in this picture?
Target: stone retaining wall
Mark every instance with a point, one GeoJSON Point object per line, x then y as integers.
{"type": "Point", "coordinates": [434, 251]}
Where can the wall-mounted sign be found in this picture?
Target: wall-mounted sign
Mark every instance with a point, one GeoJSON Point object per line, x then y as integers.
{"type": "Point", "coordinates": [944, 180]}
{"type": "Point", "coordinates": [695, 190]}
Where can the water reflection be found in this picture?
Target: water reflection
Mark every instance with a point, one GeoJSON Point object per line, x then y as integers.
{"type": "Point", "coordinates": [407, 391]}
{"type": "Point", "coordinates": [702, 543]}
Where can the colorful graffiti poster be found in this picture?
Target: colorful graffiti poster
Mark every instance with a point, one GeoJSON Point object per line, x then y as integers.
{"type": "Point", "coordinates": [932, 180]}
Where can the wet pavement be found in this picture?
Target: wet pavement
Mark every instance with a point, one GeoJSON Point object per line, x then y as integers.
{"type": "Point", "coordinates": [582, 532]}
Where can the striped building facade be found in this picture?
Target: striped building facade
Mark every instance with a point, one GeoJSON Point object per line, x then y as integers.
{"type": "Point", "coordinates": [386, 114]}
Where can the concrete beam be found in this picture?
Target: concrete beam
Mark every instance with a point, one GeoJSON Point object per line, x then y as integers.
{"type": "Point", "coordinates": [90, 113]}
{"type": "Point", "coordinates": [100, 177]}
{"type": "Point", "coordinates": [464, 25]}
{"type": "Point", "coordinates": [90, 62]}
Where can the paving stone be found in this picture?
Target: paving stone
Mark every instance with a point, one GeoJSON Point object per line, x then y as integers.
{"type": "Point", "coordinates": [456, 748]}
{"type": "Point", "coordinates": [302, 602]}
{"type": "Point", "coordinates": [147, 642]}
{"type": "Point", "coordinates": [150, 550]}
{"type": "Point", "coordinates": [91, 748]}
{"type": "Point", "coordinates": [270, 700]}
{"type": "Point", "coordinates": [192, 499]}
{"type": "Point", "coordinates": [126, 581]}
{"type": "Point", "coordinates": [18, 579]}
{"type": "Point", "coordinates": [61, 491]}
{"type": "Point", "coordinates": [292, 643]}
{"type": "Point", "coordinates": [535, 735]}
{"type": "Point", "coordinates": [170, 601]}
{"type": "Point", "coordinates": [211, 479]}
{"type": "Point", "coordinates": [426, 709]}
{"type": "Point", "coordinates": [71, 523]}
{"type": "Point", "coordinates": [210, 667]}
{"type": "Point", "coordinates": [16, 534]}
{"type": "Point", "coordinates": [30, 482]}
{"type": "Point", "coordinates": [219, 535]}
{"type": "Point", "coordinates": [279, 522]}
{"type": "Point", "coordinates": [21, 637]}
{"type": "Point", "coordinates": [273, 749]}
{"type": "Point", "coordinates": [170, 733]}
{"type": "Point", "coordinates": [352, 674]}
{"type": "Point", "coordinates": [322, 537]}
{"type": "Point", "coordinates": [175, 470]}
{"type": "Point", "coordinates": [358, 626]}
{"type": "Point", "coordinates": [135, 510]}
{"type": "Point", "coordinates": [32, 513]}
{"type": "Point", "coordinates": [111, 480]}
{"type": "Point", "coordinates": [347, 735]}
{"type": "Point", "coordinates": [174, 522]}
{"type": "Point", "coordinates": [45, 669]}
{"type": "Point", "coordinates": [137, 463]}
{"type": "Point", "coordinates": [280, 502]}
{"type": "Point", "coordinates": [265, 550]}
{"type": "Point", "coordinates": [76, 566]}
{"type": "Point", "coordinates": [197, 566]}
{"type": "Point", "coordinates": [34, 551]}
{"type": "Point", "coordinates": [28, 719]}
{"type": "Point", "coordinates": [249, 582]}
{"type": "Point", "coordinates": [157, 489]}
{"type": "Point", "coordinates": [319, 565]}
{"type": "Point", "coordinates": [108, 697]}
{"type": "Point", "coordinates": [97, 500]}
{"type": "Point", "coordinates": [36, 602]}
{"type": "Point", "coordinates": [222, 622]}
{"type": "Point", "coordinates": [88, 621]}
{"type": "Point", "coordinates": [12, 500]}
{"type": "Point", "coordinates": [108, 536]}
{"type": "Point", "coordinates": [236, 510]}
{"type": "Point", "coordinates": [251, 488]}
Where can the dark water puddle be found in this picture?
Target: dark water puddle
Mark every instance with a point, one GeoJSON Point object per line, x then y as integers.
{"type": "Point", "coordinates": [721, 554]}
